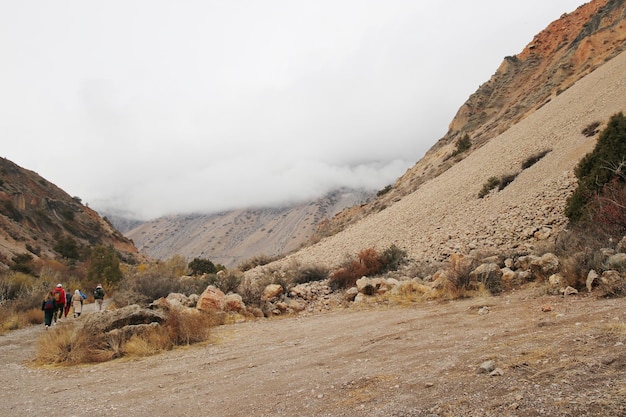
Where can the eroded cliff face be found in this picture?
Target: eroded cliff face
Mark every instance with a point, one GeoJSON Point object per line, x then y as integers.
{"type": "Point", "coordinates": [564, 52]}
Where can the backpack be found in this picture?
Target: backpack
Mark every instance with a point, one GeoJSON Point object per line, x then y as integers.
{"type": "Point", "coordinates": [57, 296]}
{"type": "Point", "coordinates": [98, 293]}
{"type": "Point", "coordinates": [49, 304]}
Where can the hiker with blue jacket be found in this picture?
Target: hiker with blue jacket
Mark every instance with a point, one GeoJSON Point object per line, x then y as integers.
{"type": "Point", "coordinates": [49, 307]}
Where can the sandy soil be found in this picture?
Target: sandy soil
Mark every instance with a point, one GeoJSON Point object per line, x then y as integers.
{"type": "Point", "coordinates": [415, 360]}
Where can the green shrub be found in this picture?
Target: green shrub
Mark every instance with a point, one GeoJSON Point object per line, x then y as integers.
{"type": "Point", "coordinates": [199, 266]}
{"type": "Point", "coordinates": [392, 258]}
{"type": "Point", "coordinates": [462, 144]}
{"type": "Point", "coordinates": [598, 168]}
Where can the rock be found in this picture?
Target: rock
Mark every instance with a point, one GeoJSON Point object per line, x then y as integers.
{"type": "Point", "coordinates": [271, 291]}
{"type": "Point", "coordinates": [487, 367]}
{"type": "Point", "coordinates": [497, 372]}
{"type": "Point", "coordinates": [569, 291]}
{"type": "Point", "coordinates": [617, 261]}
{"type": "Point", "coordinates": [546, 308]}
{"type": "Point", "coordinates": [611, 284]}
{"type": "Point", "coordinates": [211, 299]}
{"type": "Point", "coordinates": [483, 310]}
{"type": "Point", "coordinates": [233, 302]}
{"type": "Point", "coordinates": [548, 264]}
{"type": "Point", "coordinates": [351, 293]}
{"type": "Point", "coordinates": [131, 315]}
{"type": "Point", "coordinates": [555, 284]}
{"type": "Point", "coordinates": [490, 275]}
{"type": "Point", "coordinates": [591, 277]}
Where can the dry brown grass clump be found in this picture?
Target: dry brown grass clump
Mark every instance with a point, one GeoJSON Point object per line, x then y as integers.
{"type": "Point", "coordinates": [72, 344]}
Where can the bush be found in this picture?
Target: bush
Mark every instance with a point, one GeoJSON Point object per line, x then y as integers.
{"type": "Point", "coordinates": [492, 182]}
{"type": "Point", "coordinates": [392, 258]}
{"type": "Point", "coordinates": [367, 263]}
{"type": "Point", "coordinates": [306, 274]}
{"type": "Point", "coordinates": [506, 180]}
{"type": "Point", "coordinates": [533, 159]}
{"type": "Point", "coordinates": [462, 144]}
{"type": "Point", "coordinates": [383, 191]}
{"type": "Point", "coordinates": [71, 344]}
{"type": "Point", "coordinates": [591, 129]}
{"type": "Point", "coordinates": [199, 266]}
{"type": "Point", "coordinates": [598, 168]}
{"type": "Point", "coordinates": [259, 260]}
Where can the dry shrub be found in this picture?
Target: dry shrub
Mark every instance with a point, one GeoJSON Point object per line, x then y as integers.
{"type": "Point", "coordinates": [63, 345]}
{"type": "Point", "coordinates": [186, 327]}
{"type": "Point", "coordinates": [368, 263]}
{"type": "Point", "coordinates": [459, 271]}
{"type": "Point", "coordinates": [71, 344]}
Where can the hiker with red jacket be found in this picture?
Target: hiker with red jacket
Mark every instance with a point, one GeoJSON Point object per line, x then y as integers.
{"type": "Point", "coordinates": [59, 298]}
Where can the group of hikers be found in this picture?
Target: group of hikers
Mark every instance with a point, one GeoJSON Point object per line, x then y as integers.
{"type": "Point", "coordinates": [58, 302]}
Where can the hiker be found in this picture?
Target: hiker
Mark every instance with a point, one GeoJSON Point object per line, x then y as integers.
{"type": "Point", "coordinates": [59, 299]}
{"type": "Point", "coordinates": [77, 303]}
{"type": "Point", "coordinates": [98, 295]}
{"type": "Point", "coordinates": [68, 303]}
{"type": "Point", "coordinates": [49, 308]}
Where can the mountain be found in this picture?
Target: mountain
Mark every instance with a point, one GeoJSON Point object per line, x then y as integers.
{"type": "Point", "coordinates": [230, 237]}
{"type": "Point", "coordinates": [538, 103]}
{"type": "Point", "coordinates": [567, 50]}
{"type": "Point", "coordinates": [35, 214]}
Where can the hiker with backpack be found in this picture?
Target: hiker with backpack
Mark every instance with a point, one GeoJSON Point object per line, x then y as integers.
{"type": "Point", "coordinates": [77, 303]}
{"type": "Point", "coordinates": [98, 295]}
{"type": "Point", "coordinates": [68, 303]}
{"type": "Point", "coordinates": [59, 299]}
{"type": "Point", "coordinates": [49, 309]}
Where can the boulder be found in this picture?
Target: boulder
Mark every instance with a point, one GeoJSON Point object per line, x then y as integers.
{"type": "Point", "coordinates": [132, 315]}
{"type": "Point", "coordinates": [211, 299]}
{"type": "Point", "coordinates": [233, 302]}
{"type": "Point", "coordinates": [490, 275]}
{"type": "Point", "coordinates": [271, 292]}
{"type": "Point", "coordinates": [592, 276]}
{"type": "Point", "coordinates": [617, 261]}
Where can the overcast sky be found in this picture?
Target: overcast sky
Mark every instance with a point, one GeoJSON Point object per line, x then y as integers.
{"type": "Point", "coordinates": [158, 107]}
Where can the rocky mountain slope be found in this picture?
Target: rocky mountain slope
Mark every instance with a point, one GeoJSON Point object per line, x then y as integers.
{"type": "Point", "coordinates": [35, 213]}
{"type": "Point", "coordinates": [231, 237]}
{"type": "Point", "coordinates": [432, 216]}
{"type": "Point", "coordinates": [564, 52]}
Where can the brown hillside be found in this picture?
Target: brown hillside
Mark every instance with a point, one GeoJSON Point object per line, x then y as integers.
{"type": "Point", "coordinates": [34, 213]}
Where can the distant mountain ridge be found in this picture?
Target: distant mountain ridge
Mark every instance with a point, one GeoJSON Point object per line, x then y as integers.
{"type": "Point", "coordinates": [233, 236]}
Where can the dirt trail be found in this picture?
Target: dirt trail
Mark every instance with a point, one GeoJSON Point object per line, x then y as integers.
{"type": "Point", "coordinates": [414, 360]}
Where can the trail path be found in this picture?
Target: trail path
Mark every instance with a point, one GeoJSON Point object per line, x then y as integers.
{"type": "Point", "coordinates": [414, 360]}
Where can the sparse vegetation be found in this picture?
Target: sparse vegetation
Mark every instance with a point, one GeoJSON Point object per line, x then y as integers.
{"type": "Point", "coordinates": [384, 191]}
{"type": "Point", "coordinates": [492, 182]}
{"type": "Point", "coordinates": [258, 260]}
{"type": "Point", "coordinates": [368, 262]}
{"type": "Point", "coordinates": [533, 159]}
{"type": "Point", "coordinates": [591, 129]}
{"type": "Point", "coordinates": [601, 181]}
{"type": "Point", "coordinates": [462, 145]}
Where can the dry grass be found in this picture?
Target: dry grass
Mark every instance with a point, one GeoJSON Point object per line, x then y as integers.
{"type": "Point", "coordinates": [18, 320]}
{"type": "Point", "coordinates": [71, 344]}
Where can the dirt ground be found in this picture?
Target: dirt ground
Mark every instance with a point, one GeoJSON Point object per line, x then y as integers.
{"type": "Point", "coordinates": [413, 360]}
